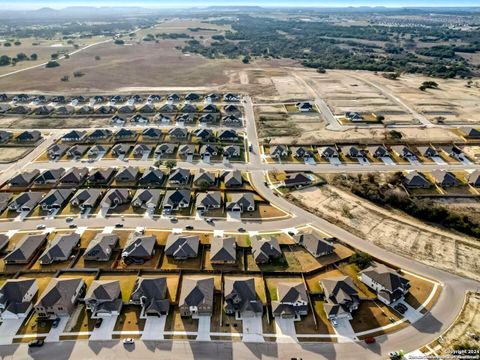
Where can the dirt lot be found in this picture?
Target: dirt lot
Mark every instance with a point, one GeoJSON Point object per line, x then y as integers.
{"type": "Point", "coordinates": [394, 230]}
{"type": "Point", "coordinates": [10, 154]}
{"type": "Point", "coordinates": [470, 206]}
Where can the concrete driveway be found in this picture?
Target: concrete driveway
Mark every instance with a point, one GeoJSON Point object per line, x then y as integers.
{"type": "Point", "coordinates": [411, 314]}
{"type": "Point", "coordinates": [344, 331]}
{"type": "Point", "coordinates": [438, 160]}
{"type": "Point", "coordinates": [387, 160]}
{"type": "Point", "coordinates": [54, 334]}
{"type": "Point", "coordinates": [335, 161]}
{"type": "Point", "coordinates": [285, 330]}
{"type": "Point", "coordinates": [252, 329]}
{"type": "Point", "coordinates": [203, 328]}
{"type": "Point", "coordinates": [9, 329]}
{"type": "Point", "coordinates": [363, 161]}
{"type": "Point", "coordinates": [154, 328]}
{"type": "Point", "coordinates": [104, 332]}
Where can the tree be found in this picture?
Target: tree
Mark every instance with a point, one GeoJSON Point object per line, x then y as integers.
{"type": "Point", "coordinates": [361, 259]}
{"type": "Point", "coordinates": [17, 43]}
{"type": "Point", "coordinates": [380, 118]}
{"type": "Point", "coordinates": [52, 64]}
{"type": "Point", "coordinates": [5, 60]}
{"type": "Point", "coordinates": [33, 57]}
{"type": "Point", "coordinates": [98, 57]}
{"type": "Point", "coordinates": [22, 56]}
{"type": "Point", "coordinates": [65, 78]}
{"type": "Point", "coordinates": [246, 59]}
{"type": "Point", "coordinates": [119, 42]}
{"type": "Point", "coordinates": [170, 164]}
{"type": "Point", "coordinates": [7, 44]}
{"type": "Point", "coordinates": [54, 56]}
{"type": "Point", "coordinates": [203, 184]}
{"type": "Point", "coordinates": [395, 135]}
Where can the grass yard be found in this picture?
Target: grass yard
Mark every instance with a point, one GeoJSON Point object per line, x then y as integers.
{"type": "Point", "coordinates": [237, 266]}
{"type": "Point", "coordinates": [160, 235]}
{"type": "Point", "coordinates": [127, 282]}
{"type": "Point", "coordinates": [88, 277]}
{"type": "Point", "coordinates": [263, 211]}
{"type": "Point", "coordinates": [10, 154]}
{"type": "Point", "coordinates": [87, 236]}
{"type": "Point", "coordinates": [352, 270]}
{"type": "Point", "coordinates": [175, 322]}
{"type": "Point", "coordinates": [229, 325]}
{"type": "Point", "coordinates": [83, 321]}
{"type": "Point", "coordinates": [419, 290]}
{"type": "Point", "coordinates": [310, 263]}
{"type": "Point", "coordinates": [324, 326]}
{"type": "Point", "coordinates": [169, 263]}
{"type": "Point", "coordinates": [313, 280]}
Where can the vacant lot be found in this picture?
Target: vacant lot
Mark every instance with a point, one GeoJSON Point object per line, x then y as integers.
{"type": "Point", "coordinates": [10, 154]}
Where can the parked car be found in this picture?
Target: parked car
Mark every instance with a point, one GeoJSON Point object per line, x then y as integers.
{"type": "Point", "coordinates": [128, 341]}
{"type": "Point", "coordinates": [98, 323]}
{"type": "Point", "coordinates": [403, 306]}
{"type": "Point", "coordinates": [36, 343]}
{"type": "Point", "coordinates": [399, 309]}
{"type": "Point", "coordinates": [55, 322]}
{"type": "Point", "coordinates": [72, 226]}
{"type": "Point", "coordinates": [189, 227]}
{"type": "Point", "coordinates": [119, 225]}
{"type": "Point", "coordinates": [241, 229]}
{"type": "Point", "coordinates": [395, 355]}
{"type": "Point", "coordinates": [173, 220]}
{"type": "Point", "coordinates": [69, 219]}
{"type": "Point", "coordinates": [370, 340]}
{"type": "Point", "coordinates": [41, 226]}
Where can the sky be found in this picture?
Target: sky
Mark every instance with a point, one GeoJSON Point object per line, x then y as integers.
{"type": "Point", "coordinates": [56, 4]}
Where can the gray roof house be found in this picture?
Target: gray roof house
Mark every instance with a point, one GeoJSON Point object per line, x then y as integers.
{"type": "Point", "coordinates": [228, 135]}
{"type": "Point", "coordinates": [230, 151]}
{"type": "Point", "coordinates": [203, 177]}
{"type": "Point", "coordinates": [74, 176]}
{"type": "Point", "coordinates": [414, 179]}
{"type": "Point", "coordinates": [178, 133]}
{"type": "Point", "coordinates": [101, 247]}
{"type": "Point", "coordinates": [151, 177]}
{"type": "Point", "coordinates": [29, 136]}
{"type": "Point", "coordinates": [127, 174]}
{"type": "Point", "coordinates": [469, 132]}
{"type": "Point", "coordinates": [403, 151]}
{"type": "Point", "coordinates": [474, 178]}
{"type": "Point", "coordinates": [23, 179]}
{"type": "Point", "coordinates": [223, 250]}
{"type": "Point", "coordinates": [77, 151]}
{"type": "Point", "coordinates": [56, 151]}
{"type": "Point", "coordinates": [208, 150]}
{"type": "Point", "coordinates": [96, 150]}
{"type": "Point", "coordinates": [208, 201]}
{"type": "Point", "coordinates": [139, 249]}
{"type": "Point", "coordinates": [151, 294]}
{"type": "Point", "coordinates": [51, 176]}
{"type": "Point", "coordinates": [124, 133]}
{"type": "Point", "coordinates": [314, 244]}
{"type": "Point", "coordinates": [304, 106]}
{"type": "Point", "coordinates": [241, 202]}
{"type": "Point", "coordinates": [4, 200]}
{"type": "Point", "coordinates": [55, 199]}
{"type": "Point", "coordinates": [146, 199]}
{"type": "Point", "coordinates": [182, 247]}
{"type": "Point", "coordinates": [115, 197]}
{"type": "Point", "coordinates": [121, 149]}
{"type": "Point", "coordinates": [86, 198]}
{"type": "Point", "coordinates": [297, 180]}
{"type": "Point", "coordinates": [100, 176]}
{"type": "Point", "coordinates": [233, 178]}
{"type": "Point", "coordinates": [292, 300]}
{"type": "Point", "coordinates": [196, 296]}
{"type": "Point", "coordinates": [378, 151]}
{"type": "Point", "coordinates": [278, 151]}
{"type": "Point", "coordinates": [388, 284]}
{"type": "Point", "coordinates": [175, 200]}
{"type": "Point", "coordinates": [60, 297]}
{"type": "Point", "coordinates": [152, 133]}
{"type": "Point", "coordinates": [265, 249]}
{"type": "Point", "coordinates": [25, 249]}
{"type": "Point", "coordinates": [353, 152]}
{"type": "Point", "coordinates": [186, 150]}
{"type": "Point", "coordinates": [60, 248]}
{"type": "Point", "coordinates": [204, 134]}
{"type": "Point", "coordinates": [241, 298]}
{"type": "Point", "coordinates": [445, 178]}
{"type": "Point", "coordinates": [165, 149]}
{"type": "Point", "coordinates": [141, 150]}
{"type": "Point", "coordinates": [341, 297]}
{"type": "Point", "coordinates": [232, 120]}
{"type": "Point", "coordinates": [302, 152]}
{"type": "Point", "coordinates": [26, 201]}
{"type": "Point", "coordinates": [179, 176]}
{"type": "Point", "coordinates": [16, 297]}
{"type": "Point", "coordinates": [328, 152]}
{"type": "Point", "coordinates": [103, 299]}
{"type": "Point", "coordinates": [427, 151]}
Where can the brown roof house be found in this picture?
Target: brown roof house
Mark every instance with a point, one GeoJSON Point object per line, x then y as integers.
{"type": "Point", "coordinates": [103, 299]}
{"type": "Point", "coordinates": [388, 284]}
{"type": "Point", "coordinates": [196, 296]}
{"type": "Point", "coordinates": [60, 297]}
{"type": "Point", "coordinates": [341, 297]}
{"type": "Point", "coordinates": [292, 300]}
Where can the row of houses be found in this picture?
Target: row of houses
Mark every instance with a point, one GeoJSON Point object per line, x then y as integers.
{"type": "Point", "coordinates": [164, 118]}
{"type": "Point", "coordinates": [442, 178]}
{"type": "Point", "coordinates": [27, 136]}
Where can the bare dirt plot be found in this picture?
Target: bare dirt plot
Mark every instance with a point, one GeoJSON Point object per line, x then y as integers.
{"type": "Point", "coordinates": [394, 231]}
{"type": "Point", "coordinates": [371, 315]}
{"type": "Point", "coordinates": [313, 281]}
{"type": "Point", "coordinates": [419, 290]}
{"type": "Point", "coordinates": [52, 122]}
{"type": "Point", "coordinates": [10, 154]}
{"type": "Point", "coordinates": [129, 319]}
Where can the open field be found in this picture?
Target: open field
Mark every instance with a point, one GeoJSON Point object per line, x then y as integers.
{"type": "Point", "coordinates": [10, 154]}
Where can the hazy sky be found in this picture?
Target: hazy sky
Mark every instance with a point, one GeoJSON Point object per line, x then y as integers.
{"type": "Point", "coordinates": [35, 4]}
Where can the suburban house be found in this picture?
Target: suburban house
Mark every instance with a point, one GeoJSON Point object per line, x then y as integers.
{"type": "Point", "coordinates": [228, 135]}
{"type": "Point", "coordinates": [152, 133]}
{"type": "Point", "coordinates": [127, 174]}
{"type": "Point", "coordinates": [99, 134]}
{"type": "Point", "coordinates": [296, 180]}
{"type": "Point", "coordinates": [241, 202]}
{"type": "Point", "coordinates": [233, 178]}
{"type": "Point", "coordinates": [121, 149]}
{"type": "Point", "coordinates": [241, 298]}
{"type": "Point", "coordinates": [353, 116]}
{"type": "Point", "coordinates": [77, 151]}
{"type": "Point", "coordinates": [23, 179]}
{"type": "Point", "coordinates": [115, 197]}
{"type": "Point", "coordinates": [86, 198]}
{"type": "Point", "coordinates": [341, 297]}
{"type": "Point", "coordinates": [138, 249]}
{"type": "Point", "coordinates": [124, 134]}
{"type": "Point", "coordinates": [49, 177]}
{"type": "Point", "coordinates": [179, 176]}
{"type": "Point", "coordinates": [192, 97]}
{"type": "Point", "coordinates": [453, 151]}
{"type": "Point", "coordinates": [60, 297]}
{"type": "Point", "coordinates": [186, 150]}
{"type": "Point", "coordinates": [147, 109]}
{"type": "Point", "coordinates": [204, 178]}
{"type": "Point", "coordinates": [141, 150]}
{"type": "Point", "coordinates": [232, 120]}
{"type": "Point", "coordinates": [173, 97]}
{"type": "Point", "coordinates": [165, 149]}
{"type": "Point", "coordinates": [100, 176]}
{"type": "Point", "coordinates": [25, 202]}
{"type": "Point", "coordinates": [474, 178]}
{"type": "Point", "coordinates": [96, 151]}
{"type": "Point", "coordinates": [265, 249]}
{"type": "Point", "coordinates": [25, 249]}
{"type": "Point", "coordinates": [292, 300]}
{"type": "Point", "coordinates": [4, 200]}
{"type": "Point", "coordinates": [230, 97]}
{"type": "Point", "coordinates": [146, 199]}
{"type": "Point", "coordinates": [103, 299]}
{"type": "Point", "coordinates": [404, 152]}
{"type": "Point", "coordinates": [74, 176]}
{"type": "Point", "coordinates": [209, 201]}
{"type": "Point", "coordinates": [231, 151]}
{"type": "Point", "coordinates": [278, 151]}
{"type": "Point", "coordinates": [301, 152]}
{"type": "Point", "coordinates": [16, 298]}
{"type": "Point", "coordinates": [188, 108]}
{"type": "Point", "coordinates": [196, 296]}
{"type": "Point", "coordinates": [328, 152]}
{"type": "Point", "coordinates": [353, 152]}
{"type": "Point", "coordinates": [314, 244]}
{"type": "Point", "coordinates": [304, 106]}
{"type": "Point", "coordinates": [445, 179]}
{"type": "Point", "coordinates": [185, 119]}
{"type": "Point", "coordinates": [55, 199]}
{"type": "Point", "coordinates": [414, 179]}
{"type": "Point", "coordinates": [101, 247]}
{"type": "Point", "coordinates": [207, 119]}
{"type": "Point", "coordinates": [60, 248]}
{"type": "Point", "coordinates": [5, 136]}
{"type": "Point", "coordinates": [427, 151]}
{"type": "Point", "coordinates": [388, 284]}
{"type": "Point", "coordinates": [151, 294]}
{"type": "Point", "coordinates": [178, 133]}
{"type": "Point", "coordinates": [176, 200]}
{"type": "Point", "coordinates": [139, 119]}
{"type": "Point", "coordinates": [209, 150]}
{"type": "Point", "coordinates": [231, 108]}
{"type": "Point", "coordinates": [182, 247]}
{"type": "Point", "coordinates": [56, 151]}
{"type": "Point", "coordinates": [28, 136]}
{"type": "Point", "coordinates": [469, 132]}
{"type": "Point", "coordinates": [378, 151]}
{"type": "Point", "coordinates": [204, 134]}
{"type": "Point", "coordinates": [223, 250]}
{"type": "Point", "coordinates": [209, 108]}
{"type": "Point", "coordinates": [151, 177]}
{"type": "Point", "coordinates": [168, 109]}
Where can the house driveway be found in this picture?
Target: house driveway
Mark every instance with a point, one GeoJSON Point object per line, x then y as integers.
{"type": "Point", "coordinates": [387, 160]}
{"type": "Point", "coordinates": [154, 328]}
{"type": "Point", "coordinates": [411, 314]}
{"type": "Point", "coordinates": [438, 160]}
{"type": "Point", "coordinates": [285, 330]}
{"type": "Point", "coordinates": [363, 161]}
{"type": "Point", "coordinates": [9, 329]}
{"type": "Point", "coordinates": [104, 332]}
{"type": "Point", "coordinates": [344, 331]}
{"type": "Point", "coordinates": [252, 329]}
{"type": "Point", "coordinates": [234, 216]}
{"type": "Point", "coordinates": [54, 334]}
{"type": "Point", "coordinates": [203, 328]}
{"type": "Point", "coordinates": [335, 161]}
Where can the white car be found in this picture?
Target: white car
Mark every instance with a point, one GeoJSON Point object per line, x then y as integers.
{"type": "Point", "coordinates": [41, 226]}
{"type": "Point", "coordinates": [334, 323]}
{"type": "Point", "coordinates": [128, 341]}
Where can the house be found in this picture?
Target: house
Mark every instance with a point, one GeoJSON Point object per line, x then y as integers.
{"type": "Point", "coordinates": [43, 110]}
{"type": "Point", "coordinates": [165, 149]}
{"type": "Point", "coordinates": [211, 97]}
{"type": "Point", "coordinates": [139, 249]}
{"type": "Point", "coordinates": [49, 177]}
{"type": "Point", "coordinates": [141, 150]}
{"type": "Point", "coordinates": [207, 119]}
{"type": "Point", "coordinates": [146, 199]}
{"type": "Point", "coordinates": [204, 134]}
{"type": "Point", "coordinates": [304, 106]}
{"type": "Point", "coordinates": [292, 300]}
{"type": "Point", "coordinates": [152, 133]}
{"type": "Point", "coordinates": [126, 109]}
{"type": "Point", "coordinates": [86, 198]}
{"type": "Point", "coordinates": [204, 178]}
{"type": "Point", "coordinates": [153, 98]}
{"type": "Point", "coordinates": [233, 178]}
{"type": "Point", "coordinates": [56, 151]}
{"type": "Point", "coordinates": [445, 179]}
{"type": "Point", "coordinates": [209, 108]}
{"type": "Point", "coordinates": [179, 176]}
{"type": "Point", "coordinates": [232, 120]}
{"type": "Point", "coordinates": [147, 109]}
{"type": "Point", "coordinates": [85, 110]}
{"type": "Point", "coordinates": [99, 134]}
{"type": "Point", "coordinates": [474, 178]}
{"type": "Point", "coordinates": [162, 119]}
{"type": "Point", "coordinates": [182, 247]}
{"type": "Point", "coordinates": [353, 116]}
{"type": "Point", "coordinates": [231, 109]}
{"type": "Point", "coordinates": [297, 180]}
{"type": "Point", "coordinates": [301, 152]}
{"type": "Point", "coordinates": [19, 110]}
{"type": "Point", "coordinates": [209, 150]}
{"type": "Point", "coordinates": [168, 109]}
{"type": "Point", "coordinates": [77, 151]}
{"type": "Point", "coordinates": [353, 152]}
{"type": "Point", "coordinates": [23, 179]}
{"type": "Point", "coordinates": [4, 200]}
{"type": "Point", "coordinates": [60, 248]}
{"type": "Point", "coordinates": [404, 152]}
{"type": "Point", "coordinates": [231, 151]}
{"type": "Point", "coordinates": [173, 97]}
{"type": "Point", "coordinates": [427, 151]}
{"type": "Point", "coordinates": [228, 135]}
{"type": "Point", "coordinates": [55, 199]}
{"type": "Point", "coordinates": [388, 284]}
{"type": "Point", "coordinates": [115, 197]}
{"type": "Point", "coordinates": [341, 297]}
{"type": "Point", "coordinates": [241, 298]}
{"type": "Point", "coordinates": [209, 201]}
{"type": "Point", "coordinates": [151, 294]}
{"type": "Point", "coordinates": [16, 297]}
{"type": "Point", "coordinates": [121, 149]}
{"type": "Point", "coordinates": [196, 296]}
{"type": "Point", "coordinates": [101, 247]}
{"type": "Point", "coordinates": [25, 249]}
{"type": "Point", "coordinates": [241, 202]}
{"type": "Point", "coordinates": [25, 202]}
{"type": "Point", "coordinates": [328, 152]}
{"type": "Point", "coordinates": [378, 151]}
{"type": "Point", "coordinates": [192, 97]}
{"type": "Point", "coordinates": [139, 119]}
{"type": "Point", "coordinates": [103, 299]}
{"type": "Point", "coordinates": [278, 151]}
{"type": "Point", "coordinates": [123, 134]}
{"type": "Point", "coordinates": [454, 152]}
{"type": "Point", "coordinates": [117, 120]}
{"type": "Point", "coordinates": [96, 151]}
{"type": "Point", "coordinates": [100, 176]}
{"type": "Point", "coordinates": [265, 249]}
{"type": "Point", "coordinates": [30, 136]}
{"type": "Point", "coordinates": [151, 177]}
{"type": "Point", "coordinates": [186, 150]}
{"type": "Point", "coordinates": [188, 108]}
{"type": "Point", "coordinates": [415, 179]}
{"type": "Point", "coordinates": [178, 133]}
{"type": "Point", "coordinates": [5, 136]}
{"type": "Point", "coordinates": [185, 119]}
{"type": "Point", "coordinates": [74, 176]}
{"type": "Point", "coordinates": [127, 174]}
{"type": "Point", "coordinates": [105, 110]}
{"type": "Point", "coordinates": [65, 110]}
{"type": "Point", "coordinates": [314, 243]}
{"type": "Point", "coordinates": [469, 132]}
{"type": "Point", "coordinates": [75, 100]}
{"type": "Point", "coordinates": [223, 250]}
{"type": "Point", "coordinates": [175, 200]}
{"type": "Point", "coordinates": [230, 97]}
{"type": "Point", "coordinates": [60, 297]}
